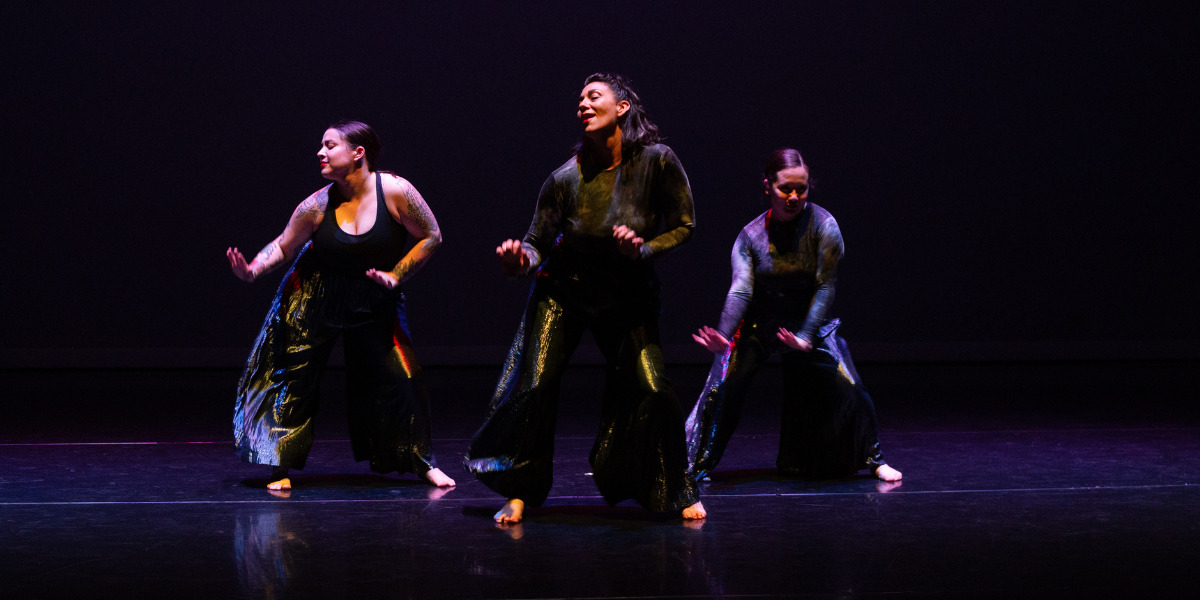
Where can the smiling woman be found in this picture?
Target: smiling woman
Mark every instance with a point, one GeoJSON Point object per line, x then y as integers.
{"type": "Point", "coordinates": [602, 219]}
{"type": "Point", "coordinates": [348, 240]}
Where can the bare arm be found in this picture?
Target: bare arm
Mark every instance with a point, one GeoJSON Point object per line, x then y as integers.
{"type": "Point", "coordinates": [299, 229]}
{"type": "Point", "coordinates": [405, 202]}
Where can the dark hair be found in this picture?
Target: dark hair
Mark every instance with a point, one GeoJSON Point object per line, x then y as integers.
{"type": "Point", "coordinates": [637, 131]}
{"type": "Point", "coordinates": [779, 160]}
{"type": "Point", "coordinates": [358, 133]}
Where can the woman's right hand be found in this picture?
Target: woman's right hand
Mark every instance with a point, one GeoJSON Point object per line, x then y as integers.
{"type": "Point", "coordinates": [513, 259]}
{"type": "Point", "coordinates": [237, 262]}
{"type": "Point", "coordinates": [712, 339]}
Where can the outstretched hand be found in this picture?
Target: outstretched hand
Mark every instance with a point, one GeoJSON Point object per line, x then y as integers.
{"type": "Point", "coordinates": [513, 259]}
{"type": "Point", "coordinates": [712, 339]}
{"type": "Point", "coordinates": [237, 262]}
{"type": "Point", "coordinates": [793, 341]}
{"type": "Point", "coordinates": [384, 278]}
{"type": "Point", "coordinates": [628, 241]}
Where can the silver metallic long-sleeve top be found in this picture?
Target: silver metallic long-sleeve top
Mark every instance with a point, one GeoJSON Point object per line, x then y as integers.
{"type": "Point", "coordinates": [784, 272]}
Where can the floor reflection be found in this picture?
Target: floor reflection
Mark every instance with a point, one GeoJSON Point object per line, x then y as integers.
{"type": "Point", "coordinates": [268, 552]}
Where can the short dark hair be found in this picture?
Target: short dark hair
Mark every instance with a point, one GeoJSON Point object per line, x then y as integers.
{"type": "Point", "coordinates": [361, 134]}
{"type": "Point", "coordinates": [637, 131]}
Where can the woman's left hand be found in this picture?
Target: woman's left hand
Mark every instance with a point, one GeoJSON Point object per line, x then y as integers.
{"type": "Point", "coordinates": [793, 341]}
{"type": "Point", "coordinates": [628, 241]}
{"type": "Point", "coordinates": [383, 278]}
{"type": "Point", "coordinates": [712, 339]}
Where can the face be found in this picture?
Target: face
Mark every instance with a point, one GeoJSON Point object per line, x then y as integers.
{"type": "Point", "coordinates": [599, 108]}
{"type": "Point", "coordinates": [337, 155]}
{"type": "Point", "coordinates": [789, 193]}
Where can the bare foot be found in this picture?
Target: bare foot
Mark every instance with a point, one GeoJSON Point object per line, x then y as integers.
{"type": "Point", "coordinates": [438, 478]}
{"type": "Point", "coordinates": [887, 473]}
{"type": "Point", "coordinates": [282, 484]}
{"type": "Point", "coordinates": [695, 511]}
{"type": "Point", "coordinates": [512, 511]}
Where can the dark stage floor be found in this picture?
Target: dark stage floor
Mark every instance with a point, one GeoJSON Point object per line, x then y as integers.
{"type": "Point", "coordinates": [1021, 480]}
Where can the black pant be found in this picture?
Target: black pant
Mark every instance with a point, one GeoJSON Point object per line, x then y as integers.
{"type": "Point", "coordinates": [639, 452]}
{"type": "Point", "coordinates": [279, 392]}
{"type": "Point", "coordinates": [828, 427]}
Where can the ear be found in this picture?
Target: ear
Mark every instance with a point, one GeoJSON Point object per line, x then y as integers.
{"type": "Point", "coordinates": [622, 108]}
{"type": "Point", "coordinates": [766, 186]}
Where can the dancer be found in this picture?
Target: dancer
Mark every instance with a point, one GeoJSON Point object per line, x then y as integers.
{"type": "Point", "coordinates": [348, 243]}
{"type": "Point", "coordinates": [602, 219]}
{"type": "Point", "coordinates": [784, 270]}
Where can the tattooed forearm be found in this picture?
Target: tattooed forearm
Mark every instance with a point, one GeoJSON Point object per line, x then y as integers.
{"type": "Point", "coordinates": [268, 258]}
{"type": "Point", "coordinates": [417, 257]}
{"type": "Point", "coordinates": [405, 269]}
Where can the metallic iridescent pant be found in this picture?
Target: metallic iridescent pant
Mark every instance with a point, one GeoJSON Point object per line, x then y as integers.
{"type": "Point", "coordinates": [278, 395]}
{"type": "Point", "coordinates": [828, 427]}
{"type": "Point", "coordinates": [639, 452]}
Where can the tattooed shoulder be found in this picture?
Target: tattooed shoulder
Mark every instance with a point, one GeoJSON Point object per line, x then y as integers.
{"type": "Point", "coordinates": [411, 205]}
{"type": "Point", "coordinates": [314, 205]}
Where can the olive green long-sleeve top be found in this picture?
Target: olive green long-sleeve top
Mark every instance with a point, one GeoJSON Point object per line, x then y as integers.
{"type": "Point", "coordinates": [571, 236]}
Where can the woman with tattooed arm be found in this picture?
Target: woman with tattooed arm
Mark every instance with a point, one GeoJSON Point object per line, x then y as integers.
{"type": "Point", "coordinates": [348, 241]}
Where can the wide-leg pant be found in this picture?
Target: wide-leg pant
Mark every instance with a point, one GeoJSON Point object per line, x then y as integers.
{"type": "Point", "coordinates": [639, 452]}
{"type": "Point", "coordinates": [279, 391]}
{"type": "Point", "coordinates": [828, 427]}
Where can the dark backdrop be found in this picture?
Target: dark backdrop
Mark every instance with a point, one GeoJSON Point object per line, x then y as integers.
{"type": "Point", "coordinates": [1013, 180]}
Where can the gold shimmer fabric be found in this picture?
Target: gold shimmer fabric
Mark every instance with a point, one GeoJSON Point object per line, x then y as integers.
{"type": "Point", "coordinates": [279, 391]}
{"type": "Point", "coordinates": [585, 284]}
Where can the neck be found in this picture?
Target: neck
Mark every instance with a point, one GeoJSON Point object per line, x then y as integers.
{"type": "Point", "coordinates": [355, 183]}
{"type": "Point", "coordinates": [605, 152]}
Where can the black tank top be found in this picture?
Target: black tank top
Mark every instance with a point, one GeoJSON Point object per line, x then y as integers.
{"type": "Point", "coordinates": [381, 247]}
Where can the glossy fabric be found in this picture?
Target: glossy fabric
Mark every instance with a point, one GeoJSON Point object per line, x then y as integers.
{"type": "Point", "coordinates": [639, 452]}
{"type": "Point", "coordinates": [828, 426]}
{"type": "Point", "coordinates": [578, 206]}
{"type": "Point", "coordinates": [586, 284]}
{"type": "Point", "coordinates": [278, 395]}
{"type": "Point", "coordinates": [784, 275]}
{"type": "Point", "coordinates": [784, 271]}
